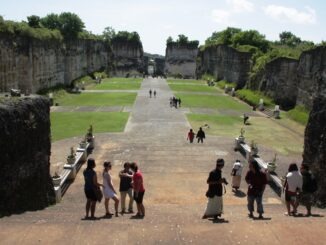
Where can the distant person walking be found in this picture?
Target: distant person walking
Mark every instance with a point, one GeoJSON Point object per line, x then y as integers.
{"type": "Point", "coordinates": [91, 183]}
{"type": "Point", "coordinates": [292, 186]}
{"type": "Point", "coordinates": [108, 190]}
{"type": "Point", "coordinates": [309, 186]}
{"type": "Point", "coordinates": [200, 135]}
{"type": "Point", "coordinates": [150, 93]}
{"type": "Point", "coordinates": [191, 136]}
{"type": "Point", "coordinates": [214, 194]}
{"type": "Point", "coordinates": [139, 190]}
{"type": "Point", "coordinates": [236, 175]}
{"type": "Point", "coordinates": [256, 181]}
{"type": "Point", "coordinates": [126, 188]}
{"type": "Point", "coordinates": [179, 102]}
{"type": "Point", "coordinates": [154, 93]}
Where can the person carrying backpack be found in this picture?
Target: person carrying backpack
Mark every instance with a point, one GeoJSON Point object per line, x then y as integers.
{"type": "Point", "coordinates": [308, 188]}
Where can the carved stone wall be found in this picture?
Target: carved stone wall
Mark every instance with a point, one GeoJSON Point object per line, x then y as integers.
{"type": "Point", "coordinates": [225, 63]}
{"type": "Point", "coordinates": [25, 144]}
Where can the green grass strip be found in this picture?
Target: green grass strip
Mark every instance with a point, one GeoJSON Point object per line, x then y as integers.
{"type": "Point", "coordinates": [70, 124]}
{"type": "Point", "coordinates": [97, 99]}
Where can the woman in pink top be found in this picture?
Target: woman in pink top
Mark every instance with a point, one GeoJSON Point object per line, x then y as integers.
{"type": "Point", "coordinates": [139, 190]}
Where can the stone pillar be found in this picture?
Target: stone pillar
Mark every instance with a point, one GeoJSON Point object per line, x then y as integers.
{"type": "Point", "coordinates": [25, 149]}
{"type": "Point", "coordinates": [315, 147]}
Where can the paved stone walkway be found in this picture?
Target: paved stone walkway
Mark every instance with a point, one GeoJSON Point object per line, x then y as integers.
{"type": "Point", "coordinates": [175, 174]}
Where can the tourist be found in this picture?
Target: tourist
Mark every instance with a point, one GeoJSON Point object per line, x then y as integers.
{"type": "Point", "coordinates": [91, 183]}
{"type": "Point", "coordinates": [245, 118]}
{"type": "Point", "coordinates": [139, 190]}
{"type": "Point", "coordinates": [292, 186]}
{"type": "Point", "coordinates": [154, 93]}
{"type": "Point", "coordinates": [150, 93]}
{"type": "Point", "coordinates": [309, 186]}
{"type": "Point", "coordinates": [179, 102]}
{"type": "Point", "coordinates": [256, 181]}
{"type": "Point", "coordinates": [200, 135]}
{"type": "Point", "coordinates": [191, 136]}
{"type": "Point", "coordinates": [236, 175]}
{"type": "Point", "coordinates": [126, 188]}
{"type": "Point", "coordinates": [215, 191]}
{"type": "Point", "coordinates": [108, 190]}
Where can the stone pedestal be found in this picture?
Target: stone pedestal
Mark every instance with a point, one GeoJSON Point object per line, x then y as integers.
{"type": "Point", "coordinates": [237, 142]}
{"type": "Point", "coordinates": [84, 154]}
{"type": "Point", "coordinates": [58, 195]}
{"type": "Point", "coordinates": [73, 170]}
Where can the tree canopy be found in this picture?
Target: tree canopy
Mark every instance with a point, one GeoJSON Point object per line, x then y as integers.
{"type": "Point", "coordinates": [182, 41]}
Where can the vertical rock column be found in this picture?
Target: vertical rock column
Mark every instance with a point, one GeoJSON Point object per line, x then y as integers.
{"type": "Point", "coordinates": [315, 146]}
{"type": "Point", "coordinates": [25, 147]}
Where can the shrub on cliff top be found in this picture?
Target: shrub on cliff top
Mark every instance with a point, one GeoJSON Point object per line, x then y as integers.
{"type": "Point", "coordinates": [182, 41]}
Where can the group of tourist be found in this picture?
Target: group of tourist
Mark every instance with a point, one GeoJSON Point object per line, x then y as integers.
{"type": "Point", "coordinates": [298, 188]}
{"type": "Point", "coordinates": [152, 92]}
{"type": "Point", "coordinates": [200, 135]}
{"type": "Point", "coordinates": [175, 102]}
{"type": "Point", "coordinates": [131, 184]}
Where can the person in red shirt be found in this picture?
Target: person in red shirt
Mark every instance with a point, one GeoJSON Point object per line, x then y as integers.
{"type": "Point", "coordinates": [139, 190]}
{"type": "Point", "coordinates": [191, 136]}
{"type": "Point", "coordinates": [256, 181]}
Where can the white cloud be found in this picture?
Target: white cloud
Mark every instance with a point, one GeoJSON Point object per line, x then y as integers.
{"type": "Point", "coordinates": [221, 16]}
{"type": "Point", "coordinates": [239, 6]}
{"type": "Point", "coordinates": [287, 14]}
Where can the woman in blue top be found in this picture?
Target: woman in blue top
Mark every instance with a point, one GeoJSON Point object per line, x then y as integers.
{"type": "Point", "coordinates": [90, 184]}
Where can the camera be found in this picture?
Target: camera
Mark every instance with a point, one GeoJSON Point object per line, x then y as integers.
{"type": "Point", "coordinates": [224, 181]}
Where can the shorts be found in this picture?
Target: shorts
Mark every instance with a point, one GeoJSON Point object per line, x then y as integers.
{"type": "Point", "coordinates": [139, 198]}
{"type": "Point", "coordinates": [290, 196]}
{"type": "Point", "coordinates": [90, 194]}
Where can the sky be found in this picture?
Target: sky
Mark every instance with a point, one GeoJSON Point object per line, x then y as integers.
{"type": "Point", "coordinates": [156, 20]}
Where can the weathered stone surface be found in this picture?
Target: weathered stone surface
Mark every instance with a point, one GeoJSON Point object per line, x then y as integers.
{"type": "Point", "coordinates": [128, 58]}
{"type": "Point", "coordinates": [279, 81]}
{"type": "Point", "coordinates": [30, 64]}
{"type": "Point", "coordinates": [25, 182]}
{"type": "Point", "coordinates": [315, 146]}
{"type": "Point", "coordinates": [225, 63]}
{"type": "Point", "coordinates": [312, 76]}
{"type": "Point", "coordinates": [180, 60]}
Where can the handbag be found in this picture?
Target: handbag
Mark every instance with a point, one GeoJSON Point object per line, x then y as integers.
{"type": "Point", "coordinates": [98, 193]}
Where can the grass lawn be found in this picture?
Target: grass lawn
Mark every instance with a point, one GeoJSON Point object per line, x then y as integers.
{"type": "Point", "coordinates": [211, 101]}
{"type": "Point", "coordinates": [262, 130]}
{"type": "Point", "coordinates": [70, 124]}
{"type": "Point", "coordinates": [117, 84]}
{"type": "Point", "coordinates": [184, 81]}
{"type": "Point", "coordinates": [96, 99]}
{"type": "Point", "coordinates": [193, 88]}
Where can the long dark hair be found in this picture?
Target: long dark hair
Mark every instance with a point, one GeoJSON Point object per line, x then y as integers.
{"type": "Point", "coordinates": [134, 166]}
{"type": "Point", "coordinates": [256, 166]}
{"type": "Point", "coordinates": [90, 163]}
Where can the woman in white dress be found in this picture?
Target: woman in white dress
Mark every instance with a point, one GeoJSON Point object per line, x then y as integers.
{"type": "Point", "coordinates": [108, 190]}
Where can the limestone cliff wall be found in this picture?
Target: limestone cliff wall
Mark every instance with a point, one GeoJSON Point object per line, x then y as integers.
{"type": "Point", "coordinates": [25, 144]}
{"type": "Point", "coordinates": [311, 76]}
{"type": "Point", "coordinates": [315, 146]}
{"type": "Point", "coordinates": [180, 59]}
{"type": "Point", "coordinates": [31, 65]}
{"type": "Point", "coordinates": [128, 58]}
{"type": "Point", "coordinates": [279, 81]}
{"type": "Point", "coordinates": [225, 63]}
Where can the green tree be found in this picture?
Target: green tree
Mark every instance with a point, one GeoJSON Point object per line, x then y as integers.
{"type": "Point", "coordinates": [251, 37]}
{"type": "Point", "coordinates": [288, 38]}
{"type": "Point", "coordinates": [51, 21]}
{"type": "Point", "coordinates": [169, 40]}
{"type": "Point", "coordinates": [71, 25]}
{"type": "Point", "coordinates": [108, 33]}
{"type": "Point", "coordinates": [182, 39]}
{"type": "Point", "coordinates": [34, 21]}
{"type": "Point", "coordinates": [222, 37]}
